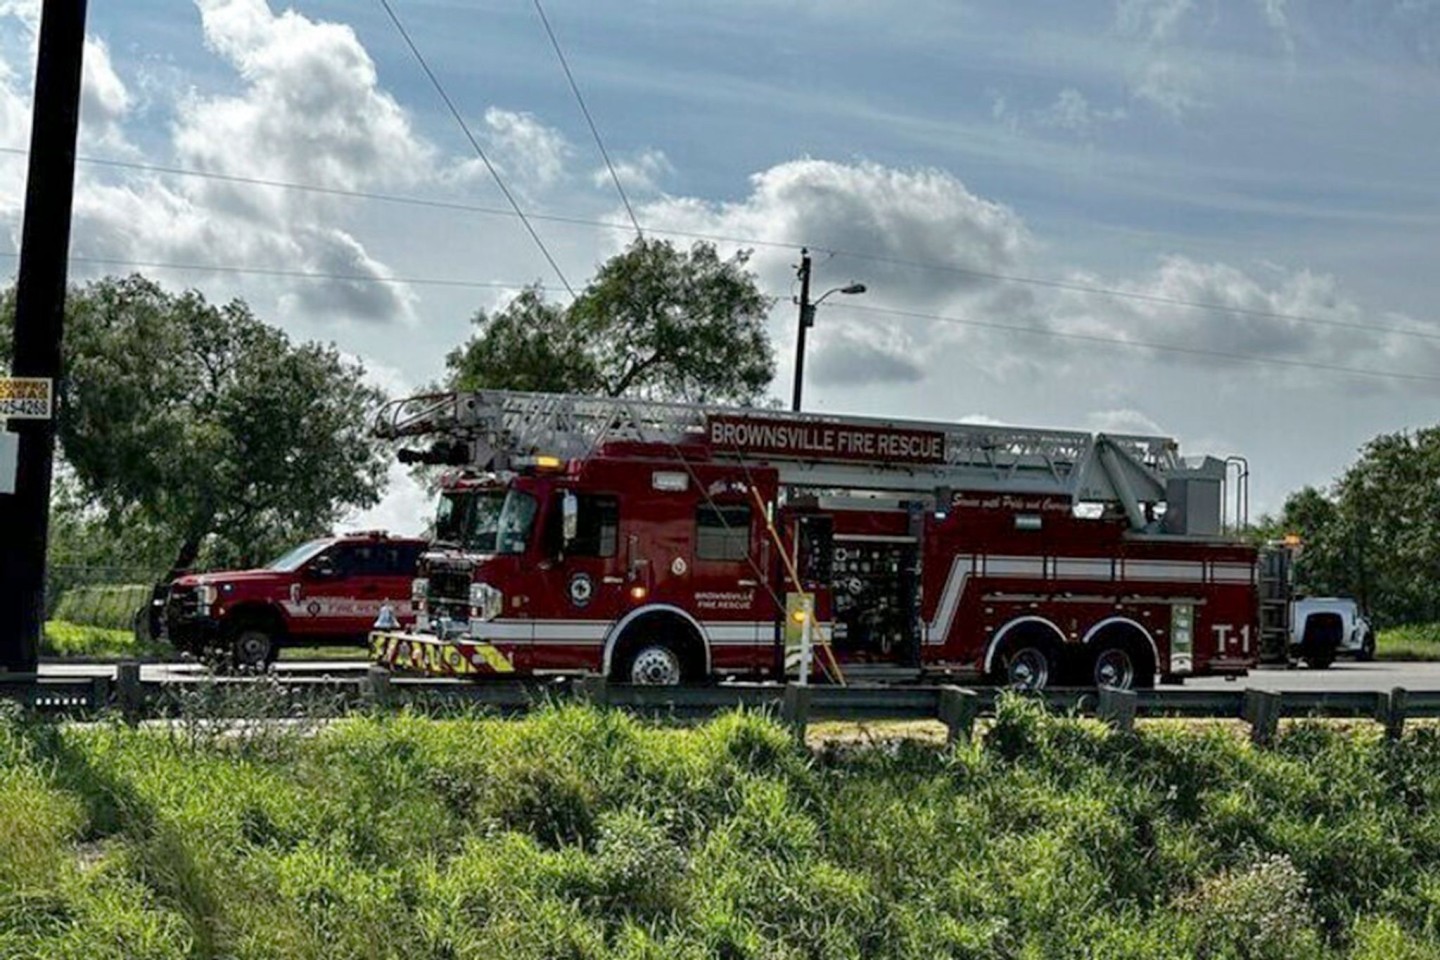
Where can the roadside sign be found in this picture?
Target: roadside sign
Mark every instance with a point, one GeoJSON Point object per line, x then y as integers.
{"type": "Point", "coordinates": [9, 460]}
{"type": "Point", "coordinates": [26, 398]}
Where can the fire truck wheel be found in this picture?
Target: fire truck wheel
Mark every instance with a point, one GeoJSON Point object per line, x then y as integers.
{"type": "Point", "coordinates": [253, 647]}
{"type": "Point", "coordinates": [1115, 668]}
{"type": "Point", "coordinates": [655, 665]}
{"type": "Point", "coordinates": [1027, 667]}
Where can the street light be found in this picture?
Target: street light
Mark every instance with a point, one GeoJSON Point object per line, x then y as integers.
{"type": "Point", "coordinates": [807, 319]}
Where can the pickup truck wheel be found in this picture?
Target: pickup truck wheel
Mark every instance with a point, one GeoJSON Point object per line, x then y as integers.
{"type": "Point", "coordinates": [1367, 647]}
{"type": "Point", "coordinates": [1320, 659]}
{"type": "Point", "coordinates": [253, 648]}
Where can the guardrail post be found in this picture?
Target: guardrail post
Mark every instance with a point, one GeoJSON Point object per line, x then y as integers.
{"type": "Point", "coordinates": [99, 694]}
{"type": "Point", "coordinates": [795, 710]}
{"type": "Point", "coordinates": [593, 689]}
{"type": "Point", "coordinates": [376, 688]}
{"type": "Point", "coordinates": [957, 709]}
{"type": "Point", "coordinates": [1395, 711]}
{"type": "Point", "coordinates": [1262, 712]}
{"type": "Point", "coordinates": [1117, 708]}
{"type": "Point", "coordinates": [129, 695]}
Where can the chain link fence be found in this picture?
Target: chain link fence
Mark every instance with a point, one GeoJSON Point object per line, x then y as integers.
{"type": "Point", "coordinates": [99, 612]}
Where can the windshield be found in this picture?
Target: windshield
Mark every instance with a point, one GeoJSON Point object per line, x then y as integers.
{"type": "Point", "coordinates": [293, 559]}
{"type": "Point", "coordinates": [470, 518]}
{"type": "Point", "coordinates": [516, 519]}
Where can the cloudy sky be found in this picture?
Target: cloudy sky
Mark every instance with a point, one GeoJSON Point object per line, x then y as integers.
{"type": "Point", "coordinates": [1216, 221]}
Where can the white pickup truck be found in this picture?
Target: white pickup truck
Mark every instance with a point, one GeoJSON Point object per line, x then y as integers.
{"type": "Point", "coordinates": [1322, 628]}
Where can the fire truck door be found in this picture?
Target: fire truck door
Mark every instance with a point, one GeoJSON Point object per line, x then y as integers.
{"type": "Point", "coordinates": [585, 577]}
{"type": "Point", "coordinates": [729, 580]}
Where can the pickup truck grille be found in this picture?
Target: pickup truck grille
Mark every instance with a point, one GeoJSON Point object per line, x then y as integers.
{"type": "Point", "coordinates": [182, 603]}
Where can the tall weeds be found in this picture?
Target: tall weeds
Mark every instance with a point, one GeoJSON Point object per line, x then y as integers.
{"type": "Point", "coordinates": [584, 833]}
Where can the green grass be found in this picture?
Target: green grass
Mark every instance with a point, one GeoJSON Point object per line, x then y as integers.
{"type": "Point", "coordinates": [110, 605]}
{"type": "Point", "coordinates": [65, 639]}
{"type": "Point", "coordinates": [341, 652]}
{"type": "Point", "coordinates": [1413, 642]}
{"type": "Point", "coordinates": [582, 834]}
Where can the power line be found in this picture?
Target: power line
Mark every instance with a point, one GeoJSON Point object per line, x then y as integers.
{"type": "Point", "coordinates": [756, 242]}
{"type": "Point", "coordinates": [293, 274]}
{"type": "Point", "coordinates": [1142, 344]}
{"type": "Point", "coordinates": [594, 131]}
{"type": "Point", "coordinates": [889, 311]}
{"type": "Point", "coordinates": [494, 174]}
{"type": "Point", "coordinates": [1132, 295]}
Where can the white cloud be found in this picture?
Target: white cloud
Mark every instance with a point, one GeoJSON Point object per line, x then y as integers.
{"type": "Point", "coordinates": [1169, 84]}
{"type": "Point", "coordinates": [888, 216]}
{"type": "Point", "coordinates": [1123, 421]}
{"type": "Point", "coordinates": [530, 154]}
{"type": "Point", "coordinates": [1278, 20]}
{"type": "Point", "coordinates": [308, 109]}
{"type": "Point", "coordinates": [1153, 20]}
{"type": "Point", "coordinates": [1070, 112]}
{"type": "Point", "coordinates": [104, 101]}
{"type": "Point", "coordinates": [877, 217]}
{"type": "Point", "coordinates": [644, 173]}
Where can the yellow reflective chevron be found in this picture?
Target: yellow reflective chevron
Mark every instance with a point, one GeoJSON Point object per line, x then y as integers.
{"type": "Point", "coordinates": [419, 653]}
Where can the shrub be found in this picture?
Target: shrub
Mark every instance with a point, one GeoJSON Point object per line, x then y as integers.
{"type": "Point", "coordinates": [1261, 911]}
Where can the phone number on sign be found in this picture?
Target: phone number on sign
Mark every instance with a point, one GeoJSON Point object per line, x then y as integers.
{"type": "Point", "coordinates": [17, 407]}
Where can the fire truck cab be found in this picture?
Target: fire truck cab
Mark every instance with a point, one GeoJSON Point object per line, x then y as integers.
{"type": "Point", "coordinates": [663, 543]}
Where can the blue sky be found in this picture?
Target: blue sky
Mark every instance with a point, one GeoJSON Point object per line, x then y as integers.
{"type": "Point", "coordinates": [1274, 156]}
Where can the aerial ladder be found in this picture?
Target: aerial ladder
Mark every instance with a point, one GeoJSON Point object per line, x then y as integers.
{"type": "Point", "coordinates": [496, 430]}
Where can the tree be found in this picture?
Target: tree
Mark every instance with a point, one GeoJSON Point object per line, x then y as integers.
{"type": "Point", "coordinates": [1376, 537]}
{"type": "Point", "coordinates": [656, 322]}
{"type": "Point", "coordinates": [206, 424]}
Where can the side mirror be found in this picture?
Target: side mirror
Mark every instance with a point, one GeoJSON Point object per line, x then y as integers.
{"type": "Point", "coordinates": [569, 517]}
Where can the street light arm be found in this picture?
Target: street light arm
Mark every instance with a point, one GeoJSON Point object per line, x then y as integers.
{"type": "Point", "coordinates": [850, 289]}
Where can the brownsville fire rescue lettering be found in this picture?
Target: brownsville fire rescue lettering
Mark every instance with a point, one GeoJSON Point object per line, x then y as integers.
{"type": "Point", "coordinates": [799, 440]}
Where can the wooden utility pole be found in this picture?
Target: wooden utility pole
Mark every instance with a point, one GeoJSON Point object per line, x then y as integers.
{"type": "Point", "coordinates": [39, 320]}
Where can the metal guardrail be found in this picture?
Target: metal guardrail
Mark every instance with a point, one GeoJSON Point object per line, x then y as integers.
{"type": "Point", "coordinates": [958, 708]}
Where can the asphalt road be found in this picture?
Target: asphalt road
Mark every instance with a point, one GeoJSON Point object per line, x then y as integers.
{"type": "Point", "coordinates": [1344, 675]}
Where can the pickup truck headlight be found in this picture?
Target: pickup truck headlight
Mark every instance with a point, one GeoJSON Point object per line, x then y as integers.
{"type": "Point", "coordinates": [486, 602]}
{"type": "Point", "coordinates": [206, 594]}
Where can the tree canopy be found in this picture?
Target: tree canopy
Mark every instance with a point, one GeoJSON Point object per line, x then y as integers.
{"type": "Point", "coordinates": [205, 427]}
{"type": "Point", "coordinates": [656, 321]}
{"type": "Point", "coordinates": [1376, 535]}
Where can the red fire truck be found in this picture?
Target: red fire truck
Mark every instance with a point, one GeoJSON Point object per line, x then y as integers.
{"type": "Point", "coordinates": [661, 543]}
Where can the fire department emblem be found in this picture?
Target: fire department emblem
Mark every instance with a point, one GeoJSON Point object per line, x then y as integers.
{"type": "Point", "coordinates": [582, 588]}
{"type": "Point", "coordinates": [313, 608]}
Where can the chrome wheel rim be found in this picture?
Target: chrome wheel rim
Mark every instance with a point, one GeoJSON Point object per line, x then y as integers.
{"type": "Point", "coordinates": [1028, 669]}
{"type": "Point", "coordinates": [1114, 668]}
{"type": "Point", "coordinates": [655, 667]}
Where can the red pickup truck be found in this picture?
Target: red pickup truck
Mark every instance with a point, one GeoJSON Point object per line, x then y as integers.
{"type": "Point", "coordinates": [327, 591]}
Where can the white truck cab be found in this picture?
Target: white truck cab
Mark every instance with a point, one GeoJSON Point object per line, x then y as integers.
{"type": "Point", "coordinates": [1322, 628]}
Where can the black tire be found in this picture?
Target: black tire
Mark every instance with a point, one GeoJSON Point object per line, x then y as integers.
{"type": "Point", "coordinates": [1122, 665]}
{"type": "Point", "coordinates": [1027, 666]}
{"type": "Point", "coordinates": [658, 651]}
{"type": "Point", "coordinates": [252, 647]}
{"type": "Point", "coordinates": [1320, 658]}
{"type": "Point", "coordinates": [1367, 647]}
